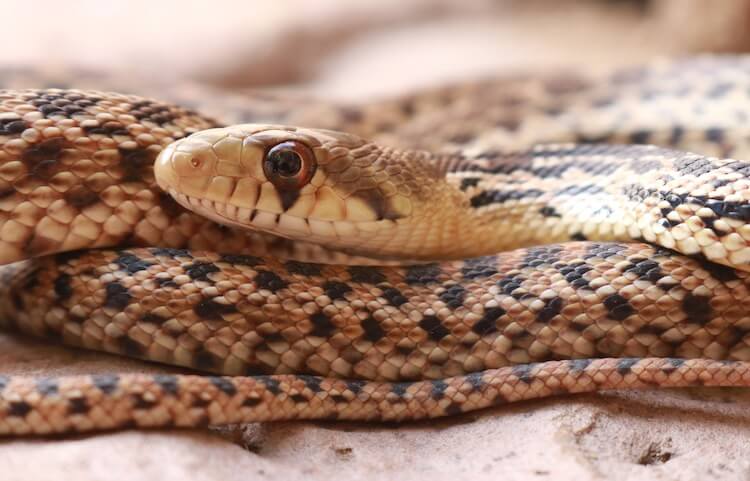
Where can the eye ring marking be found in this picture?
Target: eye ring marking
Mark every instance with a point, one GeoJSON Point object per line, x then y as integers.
{"type": "Point", "coordinates": [289, 165]}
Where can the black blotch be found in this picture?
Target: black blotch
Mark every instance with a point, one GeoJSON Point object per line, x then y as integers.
{"type": "Point", "coordinates": [698, 308]}
{"type": "Point", "coordinates": [366, 274]}
{"type": "Point", "coordinates": [116, 295]}
{"type": "Point", "coordinates": [298, 398]}
{"type": "Point", "coordinates": [355, 386]}
{"type": "Point", "coordinates": [165, 282]}
{"type": "Point", "coordinates": [479, 267]}
{"type": "Point", "coordinates": [270, 281]}
{"type": "Point", "coordinates": [303, 268]}
{"type": "Point", "coordinates": [438, 389]}
{"type": "Point", "coordinates": [78, 405]}
{"type": "Point", "coordinates": [372, 330]}
{"type": "Point", "coordinates": [151, 111]}
{"type": "Point", "coordinates": [434, 328]}
{"type": "Point", "coordinates": [63, 287]}
{"type": "Point", "coordinates": [548, 211]}
{"type": "Point", "coordinates": [243, 260]}
{"type": "Point", "coordinates": [453, 296]}
{"type": "Point", "coordinates": [251, 401]}
{"type": "Point", "coordinates": [18, 408]}
{"type": "Point", "coordinates": [422, 274]}
{"type": "Point", "coordinates": [336, 290]}
{"type": "Point", "coordinates": [131, 263]}
{"type": "Point", "coordinates": [394, 297]}
{"type": "Point", "coordinates": [106, 383]}
{"type": "Point", "coordinates": [12, 126]}
{"type": "Point", "coordinates": [212, 310]}
{"type": "Point", "coordinates": [311, 382]}
{"type": "Point", "coordinates": [199, 271]}
{"type": "Point", "coordinates": [322, 325]}
{"type": "Point", "coordinates": [273, 385]}
{"type": "Point", "coordinates": [467, 182]}
{"type": "Point", "coordinates": [578, 236]}
{"type": "Point", "coordinates": [170, 252]}
{"type": "Point", "coordinates": [167, 382]}
{"type": "Point", "coordinates": [574, 274]}
{"type": "Point", "coordinates": [618, 307]}
{"type": "Point", "coordinates": [551, 309]}
{"type": "Point", "coordinates": [223, 385]}
{"type": "Point", "coordinates": [453, 409]}
{"type": "Point", "coordinates": [399, 388]}
{"type": "Point", "coordinates": [646, 269]}
{"type": "Point", "coordinates": [625, 364]}
{"type": "Point", "coordinates": [487, 324]}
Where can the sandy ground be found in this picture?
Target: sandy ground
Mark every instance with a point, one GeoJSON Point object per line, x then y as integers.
{"type": "Point", "coordinates": [676, 434]}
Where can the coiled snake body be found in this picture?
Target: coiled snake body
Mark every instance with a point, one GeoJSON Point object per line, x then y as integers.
{"type": "Point", "coordinates": [646, 286]}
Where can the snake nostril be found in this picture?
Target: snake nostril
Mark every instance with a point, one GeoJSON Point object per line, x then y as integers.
{"type": "Point", "coordinates": [195, 162]}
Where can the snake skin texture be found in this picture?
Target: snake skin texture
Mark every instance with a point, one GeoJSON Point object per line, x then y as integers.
{"type": "Point", "coordinates": [644, 284]}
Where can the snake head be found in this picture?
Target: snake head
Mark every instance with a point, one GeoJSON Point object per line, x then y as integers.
{"type": "Point", "coordinates": [297, 183]}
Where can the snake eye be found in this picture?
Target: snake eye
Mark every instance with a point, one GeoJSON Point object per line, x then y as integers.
{"type": "Point", "coordinates": [289, 165]}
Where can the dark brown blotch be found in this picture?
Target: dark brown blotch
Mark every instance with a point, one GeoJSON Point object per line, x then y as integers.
{"type": "Point", "coordinates": [18, 408]}
{"type": "Point", "coordinates": [116, 296]}
{"type": "Point", "coordinates": [41, 159]}
{"type": "Point", "coordinates": [322, 325]}
{"type": "Point", "coordinates": [209, 309]}
{"type": "Point", "coordinates": [372, 330]}
{"type": "Point", "coordinates": [434, 328]}
{"type": "Point", "coordinates": [78, 405]}
{"type": "Point", "coordinates": [80, 197]}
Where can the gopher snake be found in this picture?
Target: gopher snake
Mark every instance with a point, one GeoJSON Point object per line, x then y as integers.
{"type": "Point", "coordinates": [301, 340]}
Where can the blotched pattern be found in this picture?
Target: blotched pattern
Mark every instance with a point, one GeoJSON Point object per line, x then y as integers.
{"type": "Point", "coordinates": [426, 339]}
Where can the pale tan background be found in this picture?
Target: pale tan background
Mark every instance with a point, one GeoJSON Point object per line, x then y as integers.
{"type": "Point", "coordinates": [363, 50]}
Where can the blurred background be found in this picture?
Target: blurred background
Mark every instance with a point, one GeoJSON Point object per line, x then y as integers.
{"type": "Point", "coordinates": [351, 50]}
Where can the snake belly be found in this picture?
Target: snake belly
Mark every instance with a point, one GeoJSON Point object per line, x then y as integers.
{"type": "Point", "coordinates": [287, 338]}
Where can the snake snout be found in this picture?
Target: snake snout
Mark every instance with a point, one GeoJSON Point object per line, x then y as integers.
{"type": "Point", "coordinates": [186, 166]}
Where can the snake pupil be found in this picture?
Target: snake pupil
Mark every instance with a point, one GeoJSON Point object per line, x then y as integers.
{"type": "Point", "coordinates": [286, 162]}
{"type": "Point", "coordinates": [289, 165]}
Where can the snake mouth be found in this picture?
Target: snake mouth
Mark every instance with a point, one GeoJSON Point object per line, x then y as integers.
{"type": "Point", "coordinates": [277, 224]}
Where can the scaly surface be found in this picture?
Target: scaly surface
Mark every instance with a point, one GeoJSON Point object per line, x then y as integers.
{"type": "Point", "coordinates": [295, 339]}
